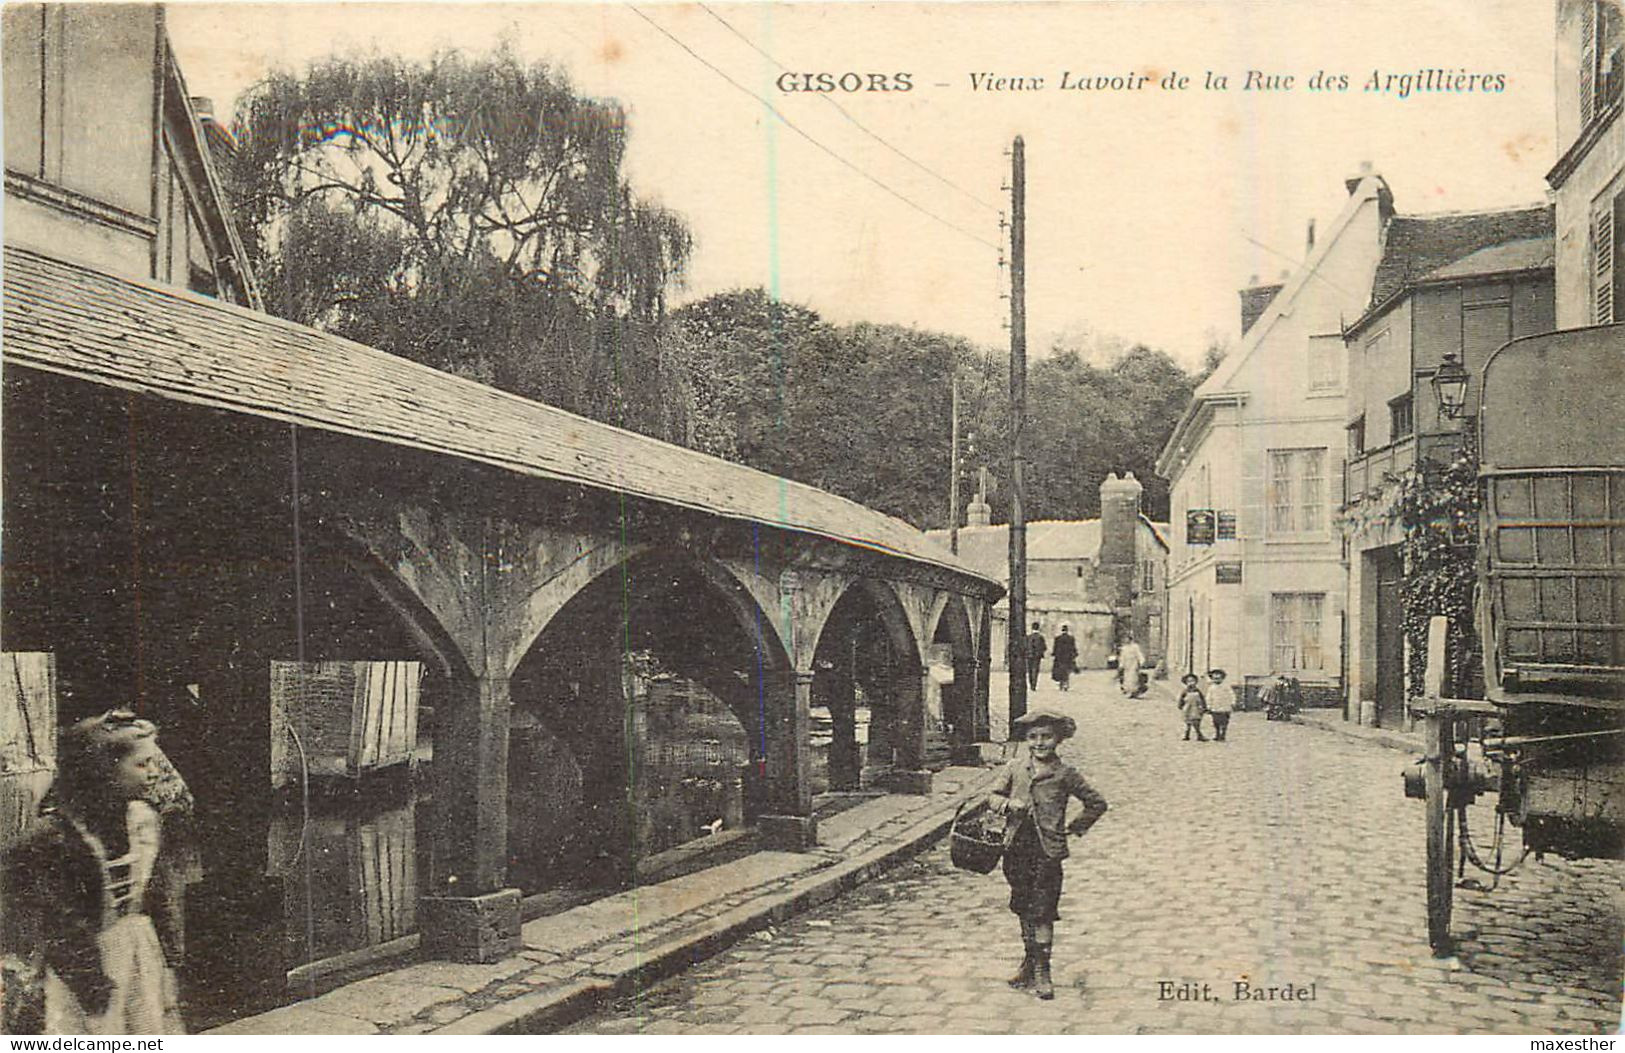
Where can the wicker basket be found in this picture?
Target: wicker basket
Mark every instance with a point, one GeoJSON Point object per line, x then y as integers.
{"type": "Point", "coordinates": [976, 840]}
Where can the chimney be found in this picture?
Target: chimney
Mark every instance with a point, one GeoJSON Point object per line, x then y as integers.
{"type": "Point", "coordinates": [1119, 518]}
{"type": "Point", "coordinates": [217, 138]}
{"type": "Point", "coordinates": [1119, 532]}
{"type": "Point", "coordinates": [1254, 299]}
{"type": "Point", "coordinates": [1353, 181]}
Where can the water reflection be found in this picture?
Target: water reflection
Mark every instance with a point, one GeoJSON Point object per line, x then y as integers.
{"type": "Point", "coordinates": [690, 751]}
{"type": "Point", "coordinates": [351, 872]}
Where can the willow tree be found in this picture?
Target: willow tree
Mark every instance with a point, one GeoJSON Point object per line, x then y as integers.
{"type": "Point", "coordinates": [471, 214]}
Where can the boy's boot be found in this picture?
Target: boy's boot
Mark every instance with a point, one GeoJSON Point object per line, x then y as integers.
{"type": "Point", "coordinates": [1042, 987]}
{"type": "Point", "coordinates": [1024, 977]}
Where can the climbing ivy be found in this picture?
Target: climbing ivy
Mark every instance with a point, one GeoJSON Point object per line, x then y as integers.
{"type": "Point", "coordinates": [1437, 509]}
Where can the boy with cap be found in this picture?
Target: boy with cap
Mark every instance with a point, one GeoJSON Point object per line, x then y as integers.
{"type": "Point", "coordinates": [1221, 702]}
{"type": "Point", "coordinates": [1192, 704]}
{"type": "Point", "coordinates": [1032, 791]}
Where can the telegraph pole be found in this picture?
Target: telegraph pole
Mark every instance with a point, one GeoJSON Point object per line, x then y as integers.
{"type": "Point", "coordinates": [1016, 645]}
{"type": "Point", "coordinates": [953, 474]}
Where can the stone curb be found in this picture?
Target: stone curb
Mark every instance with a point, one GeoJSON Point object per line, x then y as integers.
{"type": "Point", "coordinates": [1371, 736]}
{"type": "Point", "coordinates": [557, 1007]}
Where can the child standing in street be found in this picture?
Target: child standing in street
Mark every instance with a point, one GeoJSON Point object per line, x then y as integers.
{"type": "Point", "coordinates": [1032, 791]}
{"type": "Point", "coordinates": [1221, 701]}
{"type": "Point", "coordinates": [1192, 705]}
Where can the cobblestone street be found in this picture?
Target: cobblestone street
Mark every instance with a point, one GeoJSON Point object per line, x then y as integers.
{"type": "Point", "coordinates": [1286, 856]}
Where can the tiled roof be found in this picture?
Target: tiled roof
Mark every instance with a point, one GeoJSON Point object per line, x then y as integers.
{"type": "Point", "coordinates": [1526, 254]}
{"type": "Point", "coordinates": [172, 343]}
{"type": "Point", "coordinates": [1415, 246]}
{"type": "Point", "coordinates": [987, 548]}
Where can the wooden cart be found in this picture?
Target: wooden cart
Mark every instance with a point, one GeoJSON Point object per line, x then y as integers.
{"type": "Point", "coordinates": [1551, 613]}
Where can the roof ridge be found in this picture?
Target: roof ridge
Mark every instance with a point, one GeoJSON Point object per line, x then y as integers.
{"type": "Point", "coordinates": [505, 430]}
{"type": "Point", "coordinates": [263, 317]}
{"type": "Point", "coordinates": [1498, 211]}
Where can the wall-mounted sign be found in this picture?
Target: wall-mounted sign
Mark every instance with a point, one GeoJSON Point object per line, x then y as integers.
{"type": "Point", "coordinates": [1227, 572]}
{"type": "Point", "coordinates": [1199, 525]}
{"type": "Point", "coordinates": [1227, 526]}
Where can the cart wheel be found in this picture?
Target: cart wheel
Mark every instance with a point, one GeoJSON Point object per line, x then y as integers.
{"type": "Point", "coordinates": [1441, 831]}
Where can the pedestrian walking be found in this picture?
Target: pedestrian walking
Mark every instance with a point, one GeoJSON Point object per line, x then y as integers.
{"type": "Point", "coordinates": [91, 922]}
{"type": "Point", "coordinates": [1064, 659]}
{"type": "Point", "coordinates": [1034, 649]}
{"type": "Point", "coordinates": [1221, 702]}
{"type": "Point", "coordinates": [1192, 704]}
{"type": "Point", "coordinates": [1129, 660]}
{"type": "Point", "coordinates": [1032, 792]}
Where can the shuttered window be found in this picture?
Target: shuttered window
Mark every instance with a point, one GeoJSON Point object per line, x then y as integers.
{"type": "Point", "coordinates": [1588, 61]}
{"type": "Point", "coordinates": [1602, 262]}
{"type": "Point", "coordinates": [1600, 57]}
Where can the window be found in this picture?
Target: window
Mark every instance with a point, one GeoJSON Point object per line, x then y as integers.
{"type": "Point", "coordinates": [1297, 491]}
{"type": "Point", "coordinates": [1607, 269]}
{"type": "Point", "coordinates": [1148, 577]}
{"type": "Point", "coordinates": [1357, 436]}
{"type": "Point", "coordinates": [1295, 625]}
{"type": "Point", "coordinates": [1326, 362]}
{"type": "Point", "coordinates": [1600, 57]}
{"type": "Point", "coordinates": [1401, 418]}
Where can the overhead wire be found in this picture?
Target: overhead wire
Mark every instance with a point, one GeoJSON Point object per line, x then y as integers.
{"type": "Point", "coordinates": [702, 60]}
{"type": "Point", "coordinates": [842, 110]}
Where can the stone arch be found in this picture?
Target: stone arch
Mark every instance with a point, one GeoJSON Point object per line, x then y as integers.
{"type": "Point", "coordinates": [418, 620]}
{"type": "Point", "coordinates": [866, 663]}
{"type": "Point", "coordinates": [658, 681]}
{"type": "Point", "coordinates": [950, 626]}
{"type": "Point", "coordinates": [893, 617]}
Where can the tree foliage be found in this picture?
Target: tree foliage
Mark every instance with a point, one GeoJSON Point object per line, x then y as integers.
{"type": "Point", "coordinates": [471, 214]}
{"type": "Point", "coordinates": [1087, 420]}
{"type": "Point", "coordinates": [864, 410]}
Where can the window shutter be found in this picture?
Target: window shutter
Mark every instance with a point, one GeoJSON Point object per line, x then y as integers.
{"type": "Point", "coordinates": [1588, 61]}
{"type": "Point", "coordinates": [1250, 520]}
{"type": "Point", "coordinates": [1602, 270]}
{"type": "Point", "coordinates": [1618, 211]}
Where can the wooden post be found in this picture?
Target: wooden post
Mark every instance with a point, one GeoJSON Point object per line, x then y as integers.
{"type": "Point", "coordinates": [1438, 644]}
{"type": "Point", "coordinates": [953, 472]}
{"type": "Point", "coordinates": [1016, 649]}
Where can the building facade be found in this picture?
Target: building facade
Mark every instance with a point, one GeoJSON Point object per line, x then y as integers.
{"type": "Point", "coordinates": [1588, 181]}
{"type": "Point", "coordinates": [1256, 583]}
{"type": "Point", "coordinates": [1102, 578]}
{"type": "Point", "coordinates": [1481, 279]}
{"type": "Point", "coordinates": [107, 162]}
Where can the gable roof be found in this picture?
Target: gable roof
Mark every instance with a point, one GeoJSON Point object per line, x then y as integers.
{"type": "Point", "coordinates": [1369, 188]}
{"type": "Point", "coordinates": [1457, 246]}
{"type": "Point", "coordinates": [215, 209]}
{"type": "Point", "coordinates": [1415, 246]}
{"type": "Point", "coordinates": [68, 319]}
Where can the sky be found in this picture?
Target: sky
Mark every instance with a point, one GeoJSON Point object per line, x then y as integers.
{"type": "Point", "coordinates": [1147, 208]}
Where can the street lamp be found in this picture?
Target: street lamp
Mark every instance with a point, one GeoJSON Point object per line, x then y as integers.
{"type": "Point", "coordinates": [1450, 386]}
